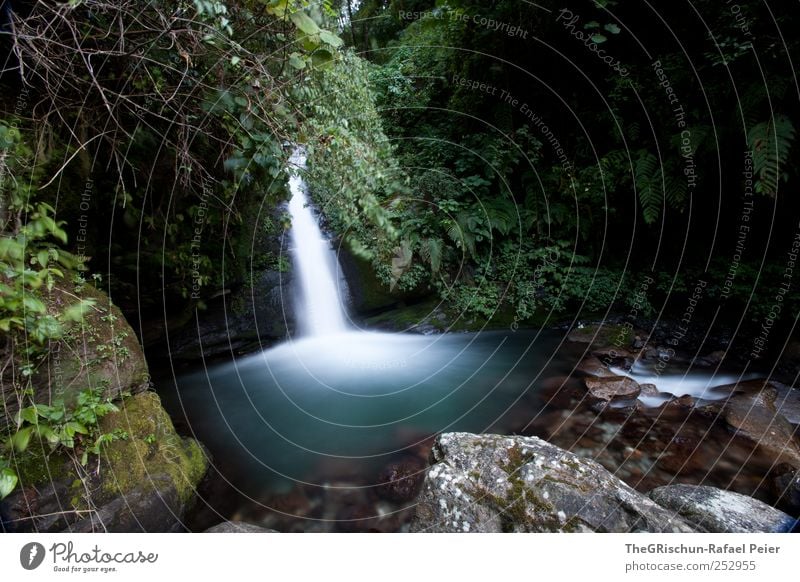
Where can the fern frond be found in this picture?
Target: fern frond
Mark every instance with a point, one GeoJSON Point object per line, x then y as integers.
{"type": "Point", "coordinates": [770, 143]}
{"type": "Point", "coordinates": [432, 251]}
{"type": "Point", "coordinates": [502, 215]}
{"type": "Point", "coordinates": [647, 174]}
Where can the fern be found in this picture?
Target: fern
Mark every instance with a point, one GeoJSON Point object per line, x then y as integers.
{"type": "Point", "coordinates": [674, 192]}
{"type": "Point", "coordinates": [770, 142]}
{"type": "Point", "coordinates": [647, 174]}
{"type": "Point", "coordinates": [502, 215]}
{"type": "Point", "coordinates": [431, 251]}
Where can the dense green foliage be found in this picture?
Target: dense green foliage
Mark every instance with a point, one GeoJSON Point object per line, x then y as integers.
{"type": "Point", "coordinates": [136, 141]}
{"type": "Point", "coordinates": [532, 176]}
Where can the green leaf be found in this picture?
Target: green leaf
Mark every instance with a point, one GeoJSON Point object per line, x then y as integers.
{"type": "Point", "coordinates": [598, 38]}
{"type": "Point", "coordinates": [321, 58]}
{"type": "Point", "coordinates": [73, 427]}
{"type": "Point", "coordinates": [33, 304]}
{"type": "Point", "coordinates": [20, 439]}
{"type": "Point", "coordinates": [77, 311]}
{"type": "Point", "coordinates": [46, 432]}
{"type": "Point", "coordinates": [297, 61]}
{"type": "Point", "coordinates": [277, 7]}
{"type": "Point", "coordinates": [612, 28]}
{"type": "Point", "coordinates": [309, 42]}
{"type": "Point", "coordinates": [29, 415]}
{"type": "Point", "coordinates": [8, 481]}
{"type": "Point", "coordinates": [42, 257]}
{"type": "Point", "coordinates": [304, 23]}
{"type": "Point", "coordinates": [330, 39]}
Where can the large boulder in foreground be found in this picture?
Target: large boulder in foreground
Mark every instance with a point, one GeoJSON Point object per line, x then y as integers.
{"type": "Point", "coordinates": [492, 483]}
{"type": "Point", "coordinates": [709, 509]}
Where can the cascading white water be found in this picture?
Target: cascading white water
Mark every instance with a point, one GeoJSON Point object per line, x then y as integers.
{"type": "Point", "coordinates": [319, 309]}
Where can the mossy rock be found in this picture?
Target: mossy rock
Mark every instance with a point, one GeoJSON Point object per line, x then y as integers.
{"type": "Point", "coordinates": [152, 448]}
{"type": "Point", "coordinates": [38, 464]}
{"type": "Point", "coordinates": [602, 335]}
{"type": "Point", "coordinates": [102, 351]}
{"type": "Point", "coordinates": [143, 482]}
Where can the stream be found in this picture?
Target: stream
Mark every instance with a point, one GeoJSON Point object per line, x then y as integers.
{"type": "Point", "coordinates": [304, 435]}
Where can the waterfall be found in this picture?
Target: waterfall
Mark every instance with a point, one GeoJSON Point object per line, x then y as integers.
{"type": "Point", "coordinates": [319, 306]}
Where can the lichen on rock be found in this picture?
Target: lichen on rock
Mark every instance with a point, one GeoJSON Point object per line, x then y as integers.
{"type": "Point", "coordinates": [493, 483]}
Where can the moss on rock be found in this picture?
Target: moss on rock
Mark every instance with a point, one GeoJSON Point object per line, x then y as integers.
{"type": "Point", "coordinates": [152, 449]}
{"type": "Point", "coordinates": [602, 335]}
{"type": "Point", "coordinates": [101, 351]}
{"type": "Point", "coordinates": [39, 465]}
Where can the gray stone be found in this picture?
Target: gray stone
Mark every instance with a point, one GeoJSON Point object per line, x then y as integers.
{"type": "Point", "coordinates": [238, 527]}
{"type": "Point", "coordinates": [714, 510]}
{"type": "Point", "coordinates": [492, 483]}
{"type": "Point", "coordinates": [612, 387]}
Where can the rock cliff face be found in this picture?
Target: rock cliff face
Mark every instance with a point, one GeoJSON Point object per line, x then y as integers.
{"type": "Point", "coordinates": [492, 483]}
{"type": "Point", "coordinates": [144, 480]}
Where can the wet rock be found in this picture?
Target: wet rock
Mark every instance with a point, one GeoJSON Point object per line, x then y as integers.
{"type": "Point", "coordinates": [613, 387]}
{"type": "Point", "coordinates": [710, 509]}
{"type": "Point", "coordinates": [492, 483]}
{"type": "Point", "coordinates": [710, 360]}
{"type": "Point", "coordinates": [153, 507]}
{"type": "Point", "coordinates": [614, 356]}
{"type": "Point", "coordinates": [152, 447]}
{"type": "Point", "coordinates": [142, 483]}
{"type": "Point", "coordinates": [601, 335]}
{"type": "Point", "coordinates": [787, 402]}
{"type": "Point", "coordinates": [37, 509]}
{"type": "Point", "coordinates": [751, 412]}
{"type": "Point", "coordinates": [238, 527]}
{"type": "Point", "coordinates": [592, 366]}
{"type": "Point", "coordinates": [264, 315]}
{"type": "Point", "coordinates": [684, 402]}
{"type": "Point", "coordinates": [648, 390]}
{"type": "Point", "coordinates": [785, 488]}
{"type": "Point", "coordinates": [401, 480]}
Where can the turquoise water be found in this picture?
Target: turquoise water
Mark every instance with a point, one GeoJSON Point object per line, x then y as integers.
{"type": "Point", "coordinates": [318, 409]}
